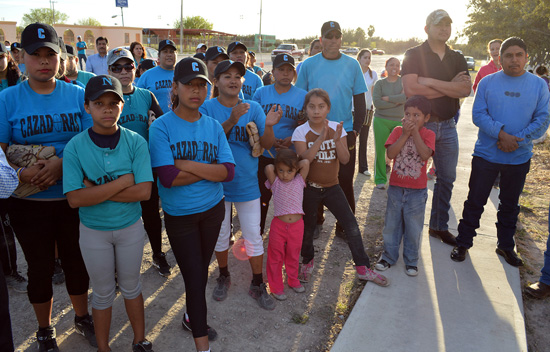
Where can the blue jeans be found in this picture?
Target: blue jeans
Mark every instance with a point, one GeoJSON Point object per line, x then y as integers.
{"type": "Point", "coordinates": [482, 177]}
{"type": "Point", "coordinates": [82, 58]}
{"type": "Point", "coordinates": [335, 200]}
{"type": "Point", "coordinates": [404, 221]}
{"type": "Point", "coordinates": [545, 271]}
{"type": "Point", "coordinates": [445, 161]}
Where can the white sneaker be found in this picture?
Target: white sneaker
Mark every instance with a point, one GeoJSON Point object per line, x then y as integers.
{"type": "Point", "coordinates": [381, 186]}
{"type": "Point", "coordinates": [367, 173]}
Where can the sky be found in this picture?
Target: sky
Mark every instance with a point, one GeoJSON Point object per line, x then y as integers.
{"type": "Point", "coordinates": [395, 19]}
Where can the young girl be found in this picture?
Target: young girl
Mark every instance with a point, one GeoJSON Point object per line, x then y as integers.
{"type": "Point", "coordinates": [291, 100]}
{"type": "Point", "coordinates": [364, 58]}
{"type": "Point", "coordinates": [243, 191]}
{"type": "Point", "coordinates": [286, 180]}
{"type": "Point", "coordinates": [190, 153]}
{"type": "Point", "coordinates": [107, 173]}
{"type": "Point", "coordinates": [323, 143]}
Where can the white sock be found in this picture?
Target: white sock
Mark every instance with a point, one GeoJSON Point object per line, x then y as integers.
{"type": "Point", "coordinates": [205, 351]}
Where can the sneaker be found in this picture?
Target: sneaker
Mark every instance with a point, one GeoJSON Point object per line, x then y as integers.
{"type": "Point", "coordinates": [411, 270]}
{"type": "Point", "coordinates": [143, 346]}
{"type": "Point", "coordinates": [381, 186]}
{"type": "Point", "coordinates": [367, 274]}
{"type": "Point", "coordinates": [85, 327]}
{"type": "Point", "coordinates": [431, 173]}
{"type": "Point", "coordinates": [159, 262]}
{"type": "Point", "coordinates": [279, 296]}
{"type": "Point", "coordinates": [58, 275]}
{"type": "Point", "coordinates": [367, 173]}
{"type": "Point", "coordinates": [45, 340]}
{"type": "Point", "coordinates": [305, 271]}
{"type": "Point", "coordinates": [382, 265]}
{"type": "Point", "coordinates": [259, 293]}
{"type": "Point", "coordinates": [17, 282]}
{"type": "Point", "coordinates": [222, 285]}
{"type": "Point", "coordinates": [186, 324]}
{"type": "Point", "coordinates": [299, 289]}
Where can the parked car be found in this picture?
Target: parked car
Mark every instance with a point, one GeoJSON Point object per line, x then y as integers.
{"type": "Point", "coordinates": [290, 49]}
{"type": "Point", "coordinates": [470, 62]}
{"type": "Point", "coordinates": [152, 54]}
{"type": "Point", "coordinates": [377, 51]}
{"type": "Point", "coordinates": [352, 51]}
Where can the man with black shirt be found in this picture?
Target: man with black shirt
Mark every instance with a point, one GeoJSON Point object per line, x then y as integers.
{"type": "Point", "coordinates": [439, 73]}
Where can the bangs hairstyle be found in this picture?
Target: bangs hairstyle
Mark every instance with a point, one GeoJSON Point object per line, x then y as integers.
{"type": "Point", "coordinates": [420, 102]}
{"type": "Point", "coordinates": [511, 42]}
{"type": "Point", "coordinates": [287, 157]}
{"type": "Point", "coordinates": [317, 92]}
{"type": "Point", "coordinates": [133, 46]}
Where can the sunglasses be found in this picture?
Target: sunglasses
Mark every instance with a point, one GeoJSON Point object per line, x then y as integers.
{"type": "Point", "coordinates": [333, 36]}
{"type": "Point", "coordinates": [119, 68]}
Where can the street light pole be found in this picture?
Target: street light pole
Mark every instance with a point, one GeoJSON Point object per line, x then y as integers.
{"type": "Point", "coordinates": [122, 15]}
{"type": "Point", "coordinates": [260, 36]}
{"type": "Point", "coordinates": [181, 28]}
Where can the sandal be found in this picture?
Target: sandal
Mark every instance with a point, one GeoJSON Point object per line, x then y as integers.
{"type": "Point", "coordinates": [367, 274]}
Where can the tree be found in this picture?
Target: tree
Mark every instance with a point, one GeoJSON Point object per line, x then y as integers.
{"type": "Point", "coordinates": [370, 31]}
{"type": "Point", "coordinates": [194, 22]}
{"type": "Point", "coordinates": [44, 15]}
{"type": "Point", "coordinates": [359, 37]}
{"type": "Point", "coordinates": [90, 22]}
{"type": "Point", "coordinates": [527, 19]}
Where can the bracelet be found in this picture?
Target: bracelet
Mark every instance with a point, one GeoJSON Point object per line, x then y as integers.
{"type": "Point", "coordinates": [19, 171]}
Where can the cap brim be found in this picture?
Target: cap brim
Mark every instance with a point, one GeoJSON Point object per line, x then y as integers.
{"type": "Point", "coordinates": [331, 30]}
{"type": "Point", "coordinates": [239, 65]}
{"type": "Point", "coordinates": [240, 45]}
{"type": "Point", "coordinates": [96, 95]}
{"type": "Point", "coordinates": [30, 49]}
{"type": "Point", "coordinates": [189, 78]}
{"type": "Point", "coordinates": [218, 55]}
{"type": "Point", "coordinates": [170, 45]}
{"type": "Point", "coordinates": [284, 63]}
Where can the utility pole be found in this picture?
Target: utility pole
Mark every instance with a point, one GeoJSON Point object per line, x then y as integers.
{"type": "Point", "coordinates": [181, 28]}
{"type": "Point", "coordinates": [260, 36]}
{"type": "Point", "coordinates": [52, 7]}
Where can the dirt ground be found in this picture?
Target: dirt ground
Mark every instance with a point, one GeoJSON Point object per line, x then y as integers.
{"type": "Point", "coordinates": [531, 242]}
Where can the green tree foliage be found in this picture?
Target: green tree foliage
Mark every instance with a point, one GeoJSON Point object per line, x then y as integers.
{"type": "Point", "coordinates": [370, 31]}
{"type": "Point", "coordinates": [527, 19]}
{"type": "Point", "coordinates": [44, 15]}
{"type": "Point", "coordinates": [90, 22]}
{"type": "Point", "coordinates": [194, 22]}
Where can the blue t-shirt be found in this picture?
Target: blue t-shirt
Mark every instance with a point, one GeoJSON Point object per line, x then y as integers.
{"type": "Point", "coordinates": [519, 106]}
{"type": "Point", "coordinates": [83, 77]}
{"type": "Point", "coordinates": [27, 117]}
{"type": "Point", "coordinates": [244, 186]}
{"type": "Point", "coordinates": [290, 102]}
{"type": "Point", "coordinates": [135, 116]}
{"type": "Point", "coordinates": [203, 141]}
{"type": "Point", "coordinates": [22, 68]}
{"type": "Point", "coordinates": [83, 158]}
{"type": "Point", "coordinates": [159, 81]}
{"type": "Point", "coordinates": [251, 82]}
{"type": "Point", "coordinates": [81, 47]}
{"type": "Point", "coordinates": [341, 78]}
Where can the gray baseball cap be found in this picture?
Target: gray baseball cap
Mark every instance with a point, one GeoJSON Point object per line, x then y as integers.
{"type": "Point", "coordinates": [117, 54]}
{"type": "Point", "coordinates": [436, 17]}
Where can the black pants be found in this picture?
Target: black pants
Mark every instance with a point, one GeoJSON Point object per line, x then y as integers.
{"type": "Point", "coordinates": [363, 141]}
{"type": "Point", "coordinates": [265, 196]}
{"type": "Point", "coordinates": [8, 252]}
{"type": "Point", "coordinates": [38, 225]}
{"type": "Point", "coordinates": [193, 239]}
{"type": "Point", "coordinates": [6, 339]}
{"type": "Point", "coordinates": [151, 218]}
{"type": "Point", "coordinates": [347, 171]}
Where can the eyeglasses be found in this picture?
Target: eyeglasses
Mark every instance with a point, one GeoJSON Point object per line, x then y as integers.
{"type": "Point", "coordinates": [333, 36]}
{"type": "Point", "coordinates": [119, 68]}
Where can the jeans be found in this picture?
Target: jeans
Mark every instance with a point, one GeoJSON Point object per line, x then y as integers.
{"type": "Point", "coordinates": [335, 200]}
{"type": "Point", "coordinates": [545, 271]}
{"type": "Point", "coordinates": [347, 171]}
{"type": "Point", "coordinates": [445, 161]}
{"type": "Point", "coordinates": [193, 238]}
{"type": "Point", "coordinates": [82, 58]}
{"type": "Point", "coordinates": [482, 177]}
{"type": "Point", "coordinates": [404, 221]}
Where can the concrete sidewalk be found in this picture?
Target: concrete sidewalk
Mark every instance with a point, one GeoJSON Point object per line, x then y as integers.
{"type": "Point", "coordinates": [475, 305]}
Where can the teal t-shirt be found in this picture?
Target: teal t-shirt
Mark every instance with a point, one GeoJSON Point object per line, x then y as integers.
{"type": "Point", "coordinates": [84, 76]}
{"type": "Point", "coordinates": [135, 116]}
{"type": "Point", "coordinates": [83, 158]}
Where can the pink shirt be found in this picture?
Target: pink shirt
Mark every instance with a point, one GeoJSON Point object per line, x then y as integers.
{"type": "Point", "coordinates": [287, 196]}
{"type": "Point", "coordinates": [486, 70]}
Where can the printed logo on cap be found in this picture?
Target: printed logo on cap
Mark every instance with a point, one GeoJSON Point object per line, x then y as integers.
{"type": "Point", "coordinates": [107, 81]}
{"type": "Point", "coordinates": [219, 49]}
{"type": "Point", "coordinates": [285, 58]}
{"type": "Point", "coordinates": [41, 33]}
{"type": "Point", "coordinates": [195, 66]}
{"type": "Point", "coordinates": [332, 24]}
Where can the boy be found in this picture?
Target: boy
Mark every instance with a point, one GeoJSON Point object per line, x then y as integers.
{"type": "Point", "coordinates": [410, 146]}
{"type": "Point", "coordinates": [107, 172]}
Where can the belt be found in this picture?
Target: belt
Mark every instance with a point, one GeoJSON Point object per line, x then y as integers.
{"type": "Point", "coordinates": [314, 185]}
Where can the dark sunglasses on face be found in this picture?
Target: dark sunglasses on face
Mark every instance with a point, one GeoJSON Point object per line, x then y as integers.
{"type": "Point", "coordinates": [333, 36]}
{"type": "Point", "coordinates": [119, 68]}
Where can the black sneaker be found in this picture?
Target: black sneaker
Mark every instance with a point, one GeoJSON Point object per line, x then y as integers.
{"type": "Point", "coordinates": [85, 327]}
{"type": "Point", "coordinates": [45, 340]}
{"type": "Point", "coordinates": [222, 286]}
{"type": "Point", "coordinates": [186, 324]}
{"type": "Point", "coordinates": [159, 262]}
{"type": "Point", "coordinates": [143, 346]}
{"type": "Point", "coordinates": [17, 282]}
{"type": "Point", "coordinates": [58, 275]}
{"type": "Point", "coordinates": [259, 293]}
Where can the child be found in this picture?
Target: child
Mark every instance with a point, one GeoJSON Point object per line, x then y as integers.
{"type": "Point", "coordinates": [107, 172]}
{"type": "Point", "coordinates": [190, 153]}
{"type": "Point", "coordinates": [286, 181]}
{"type": "Point", "coordinates": [323, 144]}
{"type": "Point", "coordinates": [243, 191]}
{"type": "Point", "coordinates": [410, 146]}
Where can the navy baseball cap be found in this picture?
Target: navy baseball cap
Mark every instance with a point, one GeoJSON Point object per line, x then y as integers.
{"type": "Point", "coordinates": [63, 49]}
{"type": "Point", "coordinates": [190, 68]}
{"type": "Point", "coordinates": [70, 50]}
{"type": "Point", "coordinates": [283, 59]}
{"type": "Point", "coordinates": [215, 51]}
{"type": "Point", "coordinates": [234, 46]}
{"type": "Point", "coordinates": [166, 43]}
{"type": "Point", "coordinates": [38, 35]}
{"type": "Point", "coordinates": [329, 27]}
{"type": "Point", "coordinates": [99, 85]}
{"type": "Point", "coordinates": [147, 64]}
{"type": "Point", "coordinates": [200, 56]}
{"type": "Point", "coordinates": [15, 46]}
{"type": "Point", "coordinates": [226, 65]}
